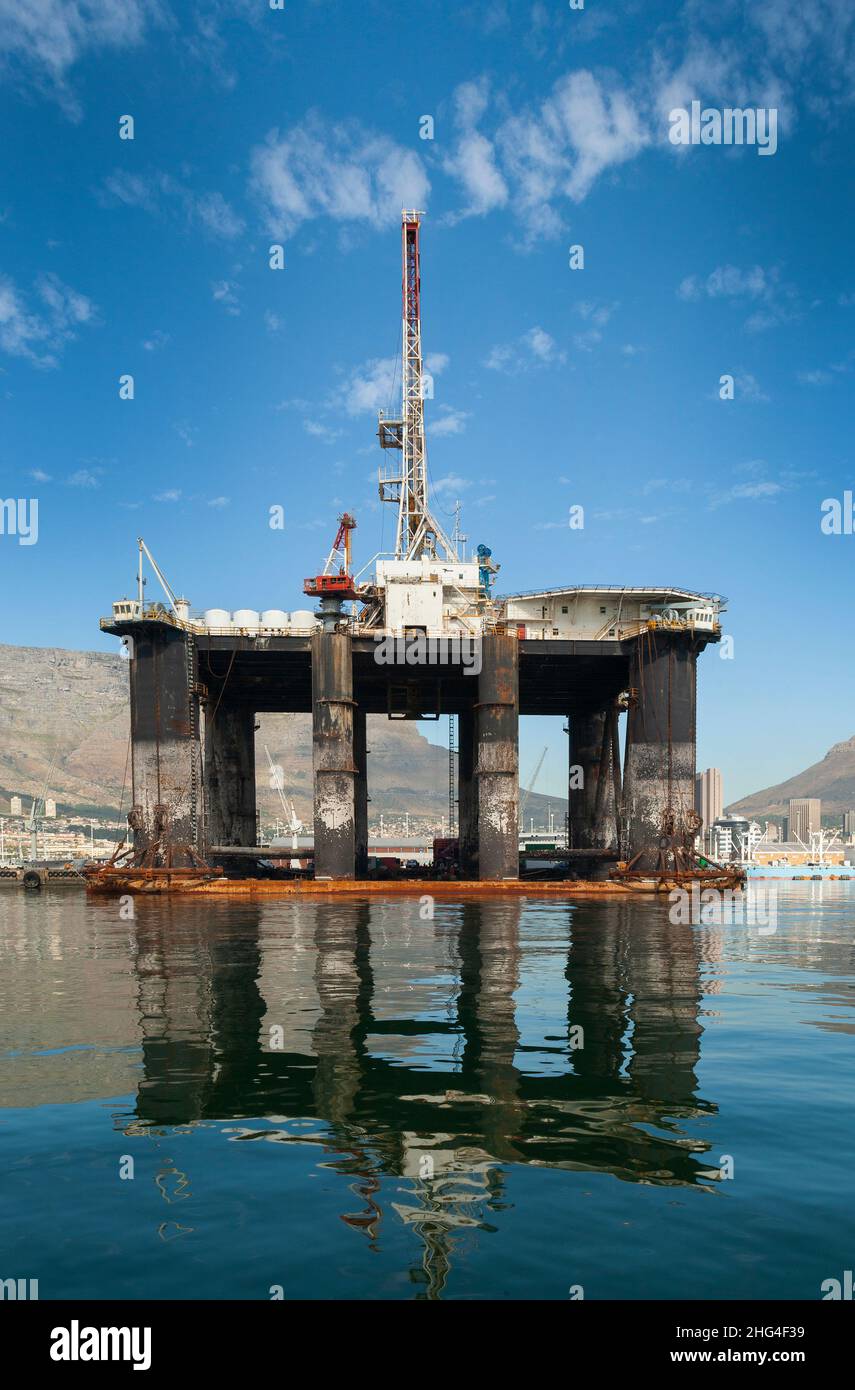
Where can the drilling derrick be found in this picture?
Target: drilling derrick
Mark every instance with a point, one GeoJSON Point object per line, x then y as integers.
{"type": "Point", "coordinates": [417, 533]}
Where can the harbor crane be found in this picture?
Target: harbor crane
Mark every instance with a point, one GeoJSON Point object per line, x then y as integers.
{"type": "Point", "coordinates": [530, 788]}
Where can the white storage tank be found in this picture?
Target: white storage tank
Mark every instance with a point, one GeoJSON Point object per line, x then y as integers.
{"type": "Point", "coordinates": [275, 617]}
{"type": "Point", "coordinates": [217, 617]}
{"type": "Point", "coordinates": [302, 617]}
{"type": "Point", "coordinates": [246, 617]}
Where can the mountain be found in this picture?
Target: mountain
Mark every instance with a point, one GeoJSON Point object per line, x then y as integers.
{"type": "Point", "coordinates": [832, 779]}
{"type": "Point", "coordinates": [64, 727]}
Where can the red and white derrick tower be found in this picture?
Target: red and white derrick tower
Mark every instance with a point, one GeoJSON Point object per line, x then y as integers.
{"type": "Point", "coordinates": [417, 532]}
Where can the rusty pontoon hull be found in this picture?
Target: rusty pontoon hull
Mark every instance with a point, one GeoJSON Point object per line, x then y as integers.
{"type": "Point", "coordinates": [195, 884]}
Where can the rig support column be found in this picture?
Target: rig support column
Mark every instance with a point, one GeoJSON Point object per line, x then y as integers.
{"type": "Point", "coordinates": [360, 762]}
{"type": "Point", "coordinates": [332, 755]}
{"type": "Point", "coordinates": [659, 778]}
{"type": "Point", "coordinates": [165, 761]}
{"type": "Point", "coordinates": [230, 775]}
{"type": "Point", "coordinates": [592, 819]}
{"type": "Point", "coordinates": [467, 795]}
{"type": "Point", "coordinates": [497, 769]}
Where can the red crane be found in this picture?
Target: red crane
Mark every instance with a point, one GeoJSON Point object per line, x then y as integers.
{"type": "Point", "coordinates": [336, 582]}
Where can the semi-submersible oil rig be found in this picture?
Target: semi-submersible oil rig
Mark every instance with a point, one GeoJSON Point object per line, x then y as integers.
{"type": "Point", "coordinates": [424, 636]}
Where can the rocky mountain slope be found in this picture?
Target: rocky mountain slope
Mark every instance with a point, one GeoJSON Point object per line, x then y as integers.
{"type": "Point", "coordinates": [64, 724]}
{"type": "Point", "coordinates": [832, 779]}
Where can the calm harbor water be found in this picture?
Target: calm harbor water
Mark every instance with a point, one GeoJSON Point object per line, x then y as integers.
{"type": "Point", "coordinates": [349, 1102]}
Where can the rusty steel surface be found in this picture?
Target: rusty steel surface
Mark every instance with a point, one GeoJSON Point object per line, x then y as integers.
{"type": "Point", "coordinates": [497, 758]}
{"type": "Point", "coordinates": [164, 740]}
{"type": "Point", "coordinates": [230, 775]}
{"type": "Point", "coordinates": [443, 888]}
{"type": "Point", "coordinates": [333, 755]}
{"type": "Point", "coordinates": [659, 778]}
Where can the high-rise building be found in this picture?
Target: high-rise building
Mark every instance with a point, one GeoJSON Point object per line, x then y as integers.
{"type": "Point", "coordinates": [16, 807]}
{"type": "Point", "coordinates": [50, 809]}
{"type": "Point", "coordinates": [709, 797]}
{"type": "Point", "coordinates": [805, 816]}
{"type": "Point", "coordinates": [849, 822]}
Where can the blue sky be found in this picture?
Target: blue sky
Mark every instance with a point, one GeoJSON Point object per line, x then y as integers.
{"type": "Point", "coordinates": [595, 387]}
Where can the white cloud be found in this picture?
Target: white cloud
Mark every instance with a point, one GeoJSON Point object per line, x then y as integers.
{"type": "Point", "coordinates": [450, 421]}
{"type": "Point", "coordinates": [748, 388]}
{"type": "Point", "coordinates": [473, 163]}
{"type": "Point", "coordinates": [315, 169]}
{"type": "Point", "coordinates": [535, 348]}
{"type": "Point", "coordinates": [85, 477]}
{"type": "Point", "coordinates": [375, 384]}
{"type": "Point", "coordinates": [219, 501]}
{"type": "Point", "coordinates": [172, 494]}
{"type": "Point", "coordinates": [750, 492]}
{"type": "Point", "coordinates": [777, 302]}
{"type": "Point", "coordinates": [559, 150]}
{"type": "Point", "coordinates": [157, 340]}
{"type": "Point", "coordinates": [43, 39]}
{"type": "Point", "coordinates": [729, 282]}
{"type": "Point", "coordinates": [451, 483]}
{"type": "Point", "coordinates": [321, 431]}
{"type": "Point", "coordinates": [160, 193]}
{"type": "Point", "coordinates": [225, 292]}
{"type": "Point", "coordinates": [40, 334]}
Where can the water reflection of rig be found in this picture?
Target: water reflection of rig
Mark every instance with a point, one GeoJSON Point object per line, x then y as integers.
{"type": "Point", "coordinates": [613, 1089]}
{"type": "Point", "coordinates": [592, 654]}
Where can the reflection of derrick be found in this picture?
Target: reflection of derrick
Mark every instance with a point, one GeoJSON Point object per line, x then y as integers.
{"type": "Point", "coordinates": [358, 1066]}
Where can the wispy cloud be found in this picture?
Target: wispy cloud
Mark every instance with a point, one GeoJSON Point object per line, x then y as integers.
{"type": "Point", "coordinates": [160, 193]}
{"type": "Point", "coordinates": [40, 333]}
{"type": "Point", "coordinates": [776, 302]}
{"type": "Point", "coordinates": [42, 40]}
{"type": "Point", "coordinates": [225, 292]}
{"type": "Point", "coordinates": [533, 349]}
{"type": "Point", "coordinates": [449, 421]}
{"type": "Point", "coordinates": [155, 341]}
{"type": "Point", "coordinates": [318, 430]}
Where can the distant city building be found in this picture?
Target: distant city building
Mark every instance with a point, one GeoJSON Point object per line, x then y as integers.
{"type": "Point", "coordinates": [849, 822]}
{"type": "Point", "coordinates": [785, 828]}
{"type": "Point", "coordinates": [16, 807]}
{"type": "Point", "coordinates": [731, 837]}
{"type": "Point", "coordinates": [709, 797]}
{"type": "Point", "coordinates": [805, 816]}
{"type": "Point", "coordinates": [772, 832]}
{"type": "Point", "coordinates": [50, 809]}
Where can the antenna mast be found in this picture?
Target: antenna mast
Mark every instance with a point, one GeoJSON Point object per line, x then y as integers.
{"type": "Point", "coordinates": [417, 532]}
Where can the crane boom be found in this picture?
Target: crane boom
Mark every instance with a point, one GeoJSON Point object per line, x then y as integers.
{"type": "Point", "coordinates": [530, 788]}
